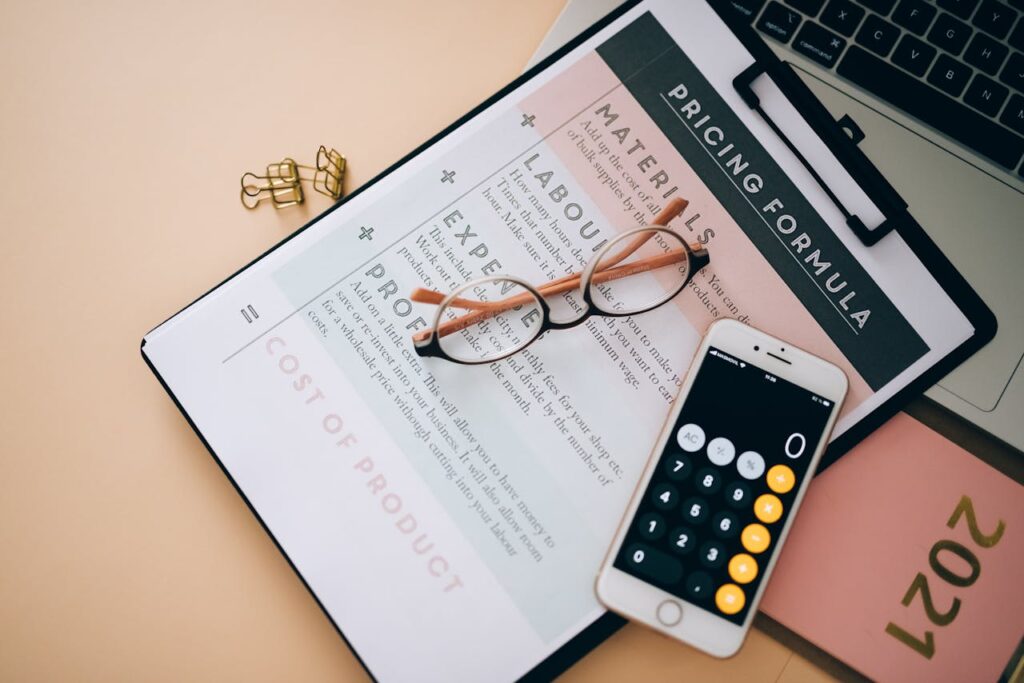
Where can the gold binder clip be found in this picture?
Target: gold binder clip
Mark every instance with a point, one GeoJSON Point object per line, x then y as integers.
{"type": "Point", "coordinates": [329, 174]}
{"type": "Point", "coordinates": [282, 182]}
{"type": "Point", "coordinates": [280, 185]}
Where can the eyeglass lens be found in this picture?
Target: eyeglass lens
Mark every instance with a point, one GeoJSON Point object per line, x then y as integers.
{"type": "Point", "coordinates": [487, 334]}
{"type": "Point", "coordinates": [626, 281]}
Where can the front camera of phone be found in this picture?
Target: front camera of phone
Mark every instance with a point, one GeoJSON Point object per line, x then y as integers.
{"type": "Point", "coordinates": [757, 348]}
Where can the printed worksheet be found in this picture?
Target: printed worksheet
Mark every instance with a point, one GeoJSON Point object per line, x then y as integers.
{"type": "Point", "coordinates": [451, 519]}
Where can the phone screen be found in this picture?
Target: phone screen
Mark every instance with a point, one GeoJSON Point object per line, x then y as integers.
{"type": "Point", "coordinates": [708, 522]}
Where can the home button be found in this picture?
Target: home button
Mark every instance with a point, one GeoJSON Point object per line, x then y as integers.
{"type": "Point", "coordinates": [670, 613]}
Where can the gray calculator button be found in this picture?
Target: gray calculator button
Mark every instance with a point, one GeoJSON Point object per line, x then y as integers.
{"type": "Point", "coordinates": [708, 480]}
{"type": "Point", "coordinates": [677, 466]}
{"type": "Point", "coordinates": [683, 540]}
{"type": "Point", "coordinates": [654, 563]}
{"type": "Point", "coordinates": [737, 494]}
{"type": "Point", "coordinates": [695, 510]}
{"type": "Point", "coordinates": [651, 526]}
{"type": "Point", "coordinates": [664, 496]}
{"type": "Point", "coordinates": [721, 451]}
{"type": "Point", "coordinates": [690, 438]}
{"type": "Point", "coordinates": [750, 465]}
{"type": "Point", "coordinates": [698, 585]}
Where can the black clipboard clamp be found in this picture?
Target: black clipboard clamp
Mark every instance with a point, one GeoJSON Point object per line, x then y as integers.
{"type": "Point", "coordinates": [840, 136]}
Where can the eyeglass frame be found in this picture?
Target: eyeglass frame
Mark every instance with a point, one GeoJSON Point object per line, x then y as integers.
{"type": "Point", "coordinates": [431, 346]}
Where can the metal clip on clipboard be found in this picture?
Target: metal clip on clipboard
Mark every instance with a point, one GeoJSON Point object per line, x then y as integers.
{"type": "Point", "coordinates": [840, 136]}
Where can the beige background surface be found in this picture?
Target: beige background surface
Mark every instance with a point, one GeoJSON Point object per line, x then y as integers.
{"type": "Point", "coordinates": [124, 128]}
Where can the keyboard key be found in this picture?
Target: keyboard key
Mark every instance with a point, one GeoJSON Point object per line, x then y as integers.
{"type": "Point", "coordinates": [808, 7]}
{"type": "Point", "coordinates": [949, 33]}
{"type": "Point", "coordinates": [747, 9]}
{"type": "Point", "coordinates": [1016, 38]}
{"type": "Point", "coordinates": [779, 22]}
{"type": "Point", "coordinates": [914, 15]}
{"type": "Point", "coordinates": [995, 18]}
{"type": "Point", "coordinates": [883, 7]}
{"type": "Point", "coordinates": [986, 95]}
{"type": "Point", "coordinates": [842, 16]}
{"type": "Point", "coordinates": [913, 55]}
{"type": "Point", "coordinates": [949, 75]}
{"type": "Point", "coordinates": [961, 8]}
{"type": "Point", "coordinates": [985, 54]}
{"type": "Point", "coordinates": [877, 35]}
{"type": "Point", "coordinates": [1013, 115]}
{"type": "Point", "coordinates": [1013, 72]}
{"type": "Point", "coordinates": [929, 105]}
{"type": "Point", "coordinates": [819, 44]}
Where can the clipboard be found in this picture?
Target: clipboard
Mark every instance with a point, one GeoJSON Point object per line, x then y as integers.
{"type": "Point", "coordinates": [839, 138]}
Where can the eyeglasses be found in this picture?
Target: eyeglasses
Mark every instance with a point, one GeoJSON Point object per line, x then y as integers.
{"type": "Point", "coordinates": [495, 317]}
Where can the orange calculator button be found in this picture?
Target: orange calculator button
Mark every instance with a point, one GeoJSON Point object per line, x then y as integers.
{"type": "Point", "coordinates": [743, 568]}
{"type": "Point", "coordinates": [755, 538]}
{"type": "Point", "coordinates": [730, 598]}
{"type": "Point", "coordinates": [768, 508]}
{"type": "Point", "coordinates": [781, 479]}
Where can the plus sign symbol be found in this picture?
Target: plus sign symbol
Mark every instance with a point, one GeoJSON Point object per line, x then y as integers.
{"type": "Point", "coordinates": [448, 177]}
{"type": "Point", "coordinates": [528, 120]}
{"type": "Point", "coordinates": [365, 233]}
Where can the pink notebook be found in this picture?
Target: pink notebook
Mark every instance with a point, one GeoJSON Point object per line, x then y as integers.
{"type": "Point", "coordinates": [906, 559]}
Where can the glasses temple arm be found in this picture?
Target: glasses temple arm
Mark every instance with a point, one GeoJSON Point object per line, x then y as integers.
{"type": "Point", "coordinates": [671, 210]}
{"type": "Point", "coordinates": [556, 286]}
{"type": "Point", "coordinates": [464, 321]}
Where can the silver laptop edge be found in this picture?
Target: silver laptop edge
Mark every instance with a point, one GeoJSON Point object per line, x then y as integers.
{"type": "Point", "coordinates": [973, 210]}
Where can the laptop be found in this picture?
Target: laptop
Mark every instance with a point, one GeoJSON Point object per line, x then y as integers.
{"type": "Point", "coordinates": [938, 90]}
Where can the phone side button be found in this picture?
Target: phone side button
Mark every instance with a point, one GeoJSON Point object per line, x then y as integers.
{"type": "Point", "coordinates": [670, 612]}
{"type": "Point", "coordinates": [654, 564]}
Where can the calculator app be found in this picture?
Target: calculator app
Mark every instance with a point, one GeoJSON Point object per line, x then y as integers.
{"type": "Point", "coordinates": [723, 488]}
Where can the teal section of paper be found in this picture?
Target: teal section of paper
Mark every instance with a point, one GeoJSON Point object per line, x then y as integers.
{"type": "Point", "coordinates": [791, 235]}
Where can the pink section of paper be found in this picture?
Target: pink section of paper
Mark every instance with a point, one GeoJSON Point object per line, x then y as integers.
{"type": "Point", "coordinates": [864, 532]}
{"type": "Point", "coordinates": [739, 283]}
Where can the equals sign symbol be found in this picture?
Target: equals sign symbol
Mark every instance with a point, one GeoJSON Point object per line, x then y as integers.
{"type": "Point", "coordinates": [250, 314]}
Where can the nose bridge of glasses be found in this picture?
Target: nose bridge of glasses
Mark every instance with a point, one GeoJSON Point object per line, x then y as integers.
{"type": "Point", "coordinates": [480, 309]}
{"type": "Point", "coordinates": [566, 304]}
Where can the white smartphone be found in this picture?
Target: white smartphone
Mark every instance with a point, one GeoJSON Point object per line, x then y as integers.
{"type": "Point", "coordinates": [707, 521]}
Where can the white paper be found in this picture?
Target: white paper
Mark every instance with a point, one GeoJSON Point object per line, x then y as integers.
{"type": "Point", "coordinates": [451, 519]}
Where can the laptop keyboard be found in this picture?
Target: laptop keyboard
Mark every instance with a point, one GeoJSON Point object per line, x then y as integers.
{"type": "Point", "coordinates": [956, 65]}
